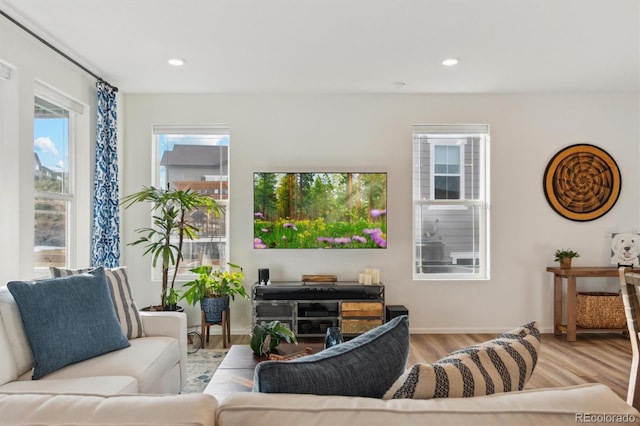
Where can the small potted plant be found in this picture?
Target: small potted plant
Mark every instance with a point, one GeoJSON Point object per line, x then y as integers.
{"type": "Point", "coordinates": [172, 300]}
{"type": "Point", "coordinates": [564, 256]}
{"type": "Point", "coordinates": [267, 336]}
{"type": "Point", "coordinates": [213, 287]}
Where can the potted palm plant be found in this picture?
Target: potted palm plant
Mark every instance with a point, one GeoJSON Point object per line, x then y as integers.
{"type": "Point", "coordinates": [171, 225]}
{"type": "Point", "coordinates": [213, 287]}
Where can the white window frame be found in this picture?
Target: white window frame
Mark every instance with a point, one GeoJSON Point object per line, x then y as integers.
{"type": "Point", "coordinates": [10, 169]}
{"type": "Point", "coordinates": [480, 201]}
{"type": "Point", "coordinates": [190, 129]}
{"type": "Point", "coordinates": [75, 108]}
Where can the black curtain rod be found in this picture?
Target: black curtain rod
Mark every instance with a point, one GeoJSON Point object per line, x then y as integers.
{"type": "Point", "coordinates": [58, 51]}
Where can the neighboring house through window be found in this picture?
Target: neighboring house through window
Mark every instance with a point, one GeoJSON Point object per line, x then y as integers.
{"type": "Point", "coordinates": [197, 158]}
{"type": "Point", "coordinates": [447, 179]}
{"type": "Point", "coordinates": [451, 202]}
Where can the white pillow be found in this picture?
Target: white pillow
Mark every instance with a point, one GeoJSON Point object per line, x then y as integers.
{"type": "Point", "coordinates": [503, 364]}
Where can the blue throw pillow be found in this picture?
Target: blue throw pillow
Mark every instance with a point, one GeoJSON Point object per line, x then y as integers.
{"type": "Point", "coordinates": [67, 319]}
{"type": "Point", "coordinates": [364, 366]}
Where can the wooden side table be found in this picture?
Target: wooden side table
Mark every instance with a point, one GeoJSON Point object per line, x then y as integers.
{"type": "Point", "coordinates": [570, 274]}
{"type": "Point", "coordinates": [225, 323]}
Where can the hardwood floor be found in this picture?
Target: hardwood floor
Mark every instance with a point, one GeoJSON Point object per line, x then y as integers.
{"type": "Point", "coordinates": [593, 358]}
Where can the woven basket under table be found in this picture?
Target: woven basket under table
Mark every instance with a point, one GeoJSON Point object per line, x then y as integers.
{"type": "Point", "coordinates": [600, 310]}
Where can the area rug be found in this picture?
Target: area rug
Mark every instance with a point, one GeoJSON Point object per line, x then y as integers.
{"type": "Point", "coordinates": [200, 368]}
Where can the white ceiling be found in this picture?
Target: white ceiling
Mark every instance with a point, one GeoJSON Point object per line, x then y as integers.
{"type": "Point", "coordinates": [347, 46]}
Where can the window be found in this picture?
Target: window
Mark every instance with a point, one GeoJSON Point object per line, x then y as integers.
{"type": "Point", "coordinates": [451, 202]}
{"type": "Point", "coordinates": [197, 158]}
{"type": "Point", "coordinates": [53, 196]}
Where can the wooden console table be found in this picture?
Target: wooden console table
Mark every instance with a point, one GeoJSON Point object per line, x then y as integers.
{"type": "Point", "coordinates": [308, 308]}
{"type": "Point", "coordinates": [572, 294]}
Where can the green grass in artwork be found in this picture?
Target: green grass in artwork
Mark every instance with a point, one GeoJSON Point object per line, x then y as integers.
{"type": "Point", "coordinates": [319, 234]}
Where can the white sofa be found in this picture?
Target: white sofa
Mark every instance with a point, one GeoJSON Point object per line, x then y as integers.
{"type": "Point", "coordinates": [550, 406]}
{"type": "Point", "coordinates": [592, 403]}
{"type": "Point", "coordinates": [131, 386]}
{"type": "Point", "coordinates": [154, 364]}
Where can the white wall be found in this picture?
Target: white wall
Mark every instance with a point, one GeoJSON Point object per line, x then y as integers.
{"type": "Point", "coordinates": [33, 61]}
{"type": "Point", "coordinates": [340, 132]}
{"type": "Point", "coordinates": [373, 133]}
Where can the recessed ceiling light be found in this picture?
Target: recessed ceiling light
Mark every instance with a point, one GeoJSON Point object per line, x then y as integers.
{"type": "Point", "coordinates": [450, 62]}
{"type": "Point", "coordinates": [176, 62]}
{"type": "Point", "coordinates": [399, 84]}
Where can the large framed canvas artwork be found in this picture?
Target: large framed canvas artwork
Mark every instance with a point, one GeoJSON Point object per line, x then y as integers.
{"type": "Point", "coordinates": [337, 210]}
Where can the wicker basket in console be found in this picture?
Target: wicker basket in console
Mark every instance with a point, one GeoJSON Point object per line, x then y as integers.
{"type": "Point", "coordinates": [600, 310]}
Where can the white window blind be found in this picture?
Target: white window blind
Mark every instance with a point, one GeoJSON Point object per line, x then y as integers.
{"type": "Point", "coordinates": [5, 71]}
{"type": "Point", "coordinates": [191, 129]}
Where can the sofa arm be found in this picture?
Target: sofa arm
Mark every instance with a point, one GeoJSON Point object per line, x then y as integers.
{"type": "Point", "coordinates": [162, 323]}
{"type": "Point", "coordinates": [171, 324]}
{"type": "Point", "coordinates": [194, 409]}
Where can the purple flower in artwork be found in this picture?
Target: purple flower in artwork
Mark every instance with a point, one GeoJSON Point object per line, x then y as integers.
{"type": "Point", "coordinates": [290, 225]}
{"type": "Point", "coordinates": [381, 242]}
{"type": "Point", "coordinates": [265, 230]}
{"type": "Point", "coordinates": [325, 239]}
{"type": "Point", "coordinates": [359, 239]}
{"type": "Point", "coordinates": [258, 244]}
{"type": "Point", "coordinates": [258, 215]}
{"type": "Point", "coordinates": [342, 240]}
{"type": "Point", "coordinates": [376, 236]}
{"type": "Point", "coordinates": [377, 212]}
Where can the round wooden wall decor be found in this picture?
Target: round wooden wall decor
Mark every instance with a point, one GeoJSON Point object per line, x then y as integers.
{"type": "Point", "coordinates": [582, 182]}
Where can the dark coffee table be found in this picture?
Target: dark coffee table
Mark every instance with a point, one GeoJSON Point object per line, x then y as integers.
{"type": "Point", "coordinates": [235, 373]}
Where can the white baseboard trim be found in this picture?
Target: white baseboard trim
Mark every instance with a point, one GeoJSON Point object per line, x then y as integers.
{"type": "Point", "coordinates": [492, 330]}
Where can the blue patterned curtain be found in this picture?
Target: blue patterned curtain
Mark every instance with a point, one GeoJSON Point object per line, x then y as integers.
{"type": "Point", "coordinates": [105, 247]}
